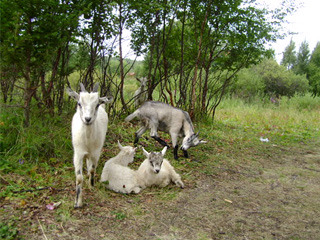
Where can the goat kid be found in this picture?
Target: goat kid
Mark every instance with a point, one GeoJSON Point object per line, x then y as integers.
{"type": "Point", "coordinates": [163, 117]}
{"type": "Point", "coordinates": [121, 178]}
{"type": "Point", "coordinates": [157, 171]}
{"type": "Point", "coordinates": [89, 127]}
{"type": "Point", "coordinates": [140, 94]}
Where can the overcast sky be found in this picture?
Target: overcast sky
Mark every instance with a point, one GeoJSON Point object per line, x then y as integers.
{"type": "Point", "coordinates": [305, 22]}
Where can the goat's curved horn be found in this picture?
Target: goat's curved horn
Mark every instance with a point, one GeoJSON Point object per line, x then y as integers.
{"type": "Point", "coordinates": [120, 146]}
{"type": "Point", "coordinates": [95, 87]}
{"type": "Point", "coordinates": [83, 89]}
{"type": "Point", "coordinates": [197, 134]}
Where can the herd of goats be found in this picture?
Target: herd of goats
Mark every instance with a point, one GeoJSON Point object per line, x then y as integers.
{"type": "Point", "coordinates": [89, 128]}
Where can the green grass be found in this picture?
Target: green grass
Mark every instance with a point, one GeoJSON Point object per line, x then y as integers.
{"type": "Point", "coordinates": [41, 157]}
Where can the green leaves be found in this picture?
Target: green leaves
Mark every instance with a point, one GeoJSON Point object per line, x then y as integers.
{"type": "Point", "coordinates": [314, 71]}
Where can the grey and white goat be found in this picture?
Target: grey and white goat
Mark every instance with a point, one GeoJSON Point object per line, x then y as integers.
{"type": "Point", "coordinates": [140, 94]}
{"type": "Point", "coordinates": [89, 127]}
{"type": "Point", "coordinates": [157, 171]}
{"type": "Point", "coordinates": [163, 117]}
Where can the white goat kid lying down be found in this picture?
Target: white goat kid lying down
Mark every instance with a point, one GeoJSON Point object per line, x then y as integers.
{"type": "Point", "coordinates": [163, 117]}
{"type": "Point", "coordinates": [121, 178]}
{"type": "Point", "coordinates": [157, 171]}
{"type": "Point", "coordinates": [89, 127]}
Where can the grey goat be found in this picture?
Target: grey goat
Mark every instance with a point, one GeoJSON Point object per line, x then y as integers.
{"type": "Point", "coordinates": [163, 117]}
{"type": "Point", "coordinates": [140, 94]}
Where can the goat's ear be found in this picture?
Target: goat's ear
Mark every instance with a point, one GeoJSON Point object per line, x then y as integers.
{"type": "Point", "coordinates": [163, 152]}
{"type": "Point", "coordinates": [73, 94]}
{"type": "Point", "coordinates": [145, 152]}
{"type": "Point", "coordinates": [105, 99]}
{"type": "Point", "coordinates": [95, 87]}
{"type": "Point", "coordinates": [119, 145]}
{"type": "Point", "coordinates": [201, 141]}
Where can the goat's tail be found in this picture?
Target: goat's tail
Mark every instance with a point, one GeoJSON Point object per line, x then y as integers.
{"type": "Point", "coordinates": [132, 115]}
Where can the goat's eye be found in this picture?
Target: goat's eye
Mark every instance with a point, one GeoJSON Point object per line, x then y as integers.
{"type": "Point", "coordinates": [79, 104]}
{"type": "Point", "coordinates": [97, 106]}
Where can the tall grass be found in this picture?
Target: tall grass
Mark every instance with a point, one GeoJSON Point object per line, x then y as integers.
{"type": "Point", "coordinates": [47, 138]}
{"type": "Point", "coordinates": [293, 118]}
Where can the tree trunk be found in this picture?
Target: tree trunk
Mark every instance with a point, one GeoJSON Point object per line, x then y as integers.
{"type": "Point", "coordinates": [182, 98]}
{"type": "Point", "coordinates": [195, 76]}
{"type": "Point", "coordinates": [121, 59]}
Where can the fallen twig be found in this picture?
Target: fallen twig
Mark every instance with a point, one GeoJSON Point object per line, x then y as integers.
{"type": "Point", "coordinates": [45, 237]}
{"type": "Point", "coordinates": [316, 170]}
{"type": "Point", "coordinates": [32, 190]}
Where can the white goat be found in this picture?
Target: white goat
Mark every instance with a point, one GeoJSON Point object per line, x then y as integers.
{"type": "Point", "coordinates": [121, 178]}
{"type": "Point", "coordinates": [157, 171]}
{"type": "Point", "coordinates": [140, 94]}
{"type": "Point", "coordinates": [163, 117]}
{"type": "Point", "coordinates": [89, 127]}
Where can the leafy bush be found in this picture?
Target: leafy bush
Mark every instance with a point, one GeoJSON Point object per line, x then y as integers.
{"type": "Point", "coordinates": [271, 79]}
{"type": "Point", "coordinates": [248, 85]}
{"type": "Point", "coordinates": [280, 81]}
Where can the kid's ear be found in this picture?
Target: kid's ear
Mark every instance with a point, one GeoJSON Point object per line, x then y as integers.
{"type": "Point", "coordinates": [145, 152]}
{"type": "Point", "coordinates": [73, 94]}
{"type": "Point", "coordinates": [163, 152]}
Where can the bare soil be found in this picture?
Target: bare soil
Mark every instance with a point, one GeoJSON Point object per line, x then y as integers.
{"type": "Point", "coordinates": [268, 193]}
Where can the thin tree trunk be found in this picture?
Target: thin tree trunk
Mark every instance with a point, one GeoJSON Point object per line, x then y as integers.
{"type": "Point", "coordinates": [195, 76]}
{"type": "Point", "coordinates": [121, 59]}
{"type": "Point", "coordinates": [182, 98]}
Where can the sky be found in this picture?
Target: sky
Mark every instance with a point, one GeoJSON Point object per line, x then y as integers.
{"type": "Point", "coordinates": [304, 22]}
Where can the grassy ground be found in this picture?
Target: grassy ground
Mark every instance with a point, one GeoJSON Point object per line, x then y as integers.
{"type": "Point", "coordinates": [237, 187]}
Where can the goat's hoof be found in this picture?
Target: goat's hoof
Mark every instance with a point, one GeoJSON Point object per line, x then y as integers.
{"type": "Point", "coordinates": [76, 206]}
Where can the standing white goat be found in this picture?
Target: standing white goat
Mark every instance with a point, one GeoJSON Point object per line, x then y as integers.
{"type": "Point", "coordinates": [140, 94]}
{"type": "Point", "coordinates": [163, 117]}
{"type": "Point", "coordinates": [157, 171]}
{"type": "Point", "coordinates": [89, 127]}
{"type": "Point", "coordinates": [120, 177]}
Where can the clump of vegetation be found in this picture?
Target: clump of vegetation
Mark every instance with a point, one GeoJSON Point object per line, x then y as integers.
{"type": "Point", "coordinates": [8, 231]}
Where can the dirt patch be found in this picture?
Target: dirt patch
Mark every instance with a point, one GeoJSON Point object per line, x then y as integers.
{"type": "Point", "coordinates": [274, 197]}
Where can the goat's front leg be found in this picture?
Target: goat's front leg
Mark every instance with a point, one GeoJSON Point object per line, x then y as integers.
{"type": "Point", "coordinates": [174, 139]}
{"type": "Point", "coordinates": [185, 153]}
{"type": "Point", "coordinates": [175, 177]}
{"type": "Point", "coordinates": [92, 163]}
{"type": "Point", "coordinates": [139, 134]}
{"type": "Point", "coordinates": [78, 164]}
